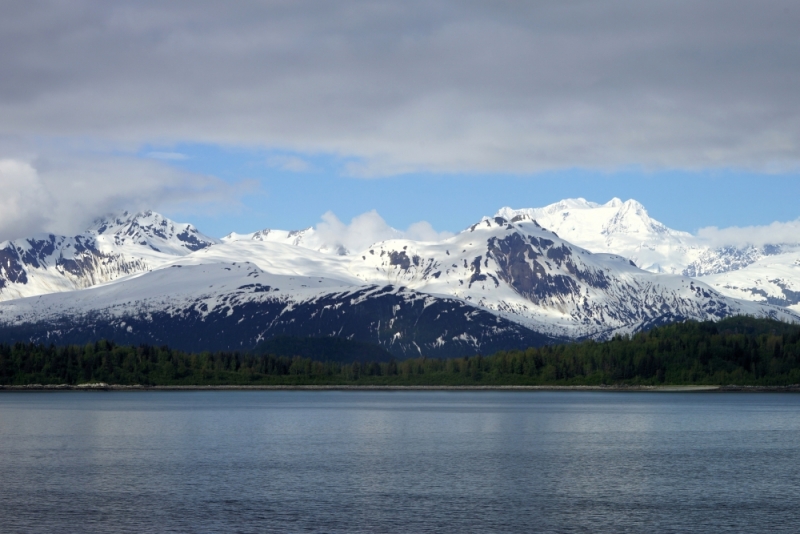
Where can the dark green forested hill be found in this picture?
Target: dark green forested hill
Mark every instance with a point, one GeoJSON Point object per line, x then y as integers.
{"type": "Point", "coordinates": [740, 350]}
{"type": "Point", "coordinates": [327, 349]}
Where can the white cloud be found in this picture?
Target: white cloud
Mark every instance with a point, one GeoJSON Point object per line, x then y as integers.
{"type": "Point", "coordinates": [367, 229]}
{"type": "Point", "coordinates": [290, 163]}
{"type": "Point", "coordinates": [772, 234]}
{"type": "Point", "coordinates": [24, 200]}
{"type": "Point", "coordinates": [423, 231]}
{"type": "Point", "coordinates": [60, 194]}
{"type": "Point", "coordinates": [167, 156]}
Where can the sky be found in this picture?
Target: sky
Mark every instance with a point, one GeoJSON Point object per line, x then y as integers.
{"type": "Point", "coordinates": [281, 114]}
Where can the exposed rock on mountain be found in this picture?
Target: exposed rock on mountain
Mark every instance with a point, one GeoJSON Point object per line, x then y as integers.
{"type": "Point", "coordinates": [236, 306]}
{"type": "Point", "coordinates": [111, 248]}
{"type": "Point", "coordinates": [626, 229]}
{"type": "Point", "coordinates": [507, 281]}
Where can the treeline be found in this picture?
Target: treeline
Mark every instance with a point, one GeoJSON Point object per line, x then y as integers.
{"type": "Point", "coordinates": [328, 349]}
{"type": "Point", "coordinates": [741, 350]}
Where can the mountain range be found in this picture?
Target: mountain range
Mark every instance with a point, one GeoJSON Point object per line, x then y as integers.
{"type": "Point", "coordinates": [767, 273]}
{"type": "Point", "coordinates": [523, 277]}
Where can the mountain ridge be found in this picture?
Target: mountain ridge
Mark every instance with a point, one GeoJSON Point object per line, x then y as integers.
{"type": "Point", "coordinates": [110, 248]}
{"type": "Point", "coordinates": [735, 270]}
{"type": "Point", "coordinates": [499, 283]}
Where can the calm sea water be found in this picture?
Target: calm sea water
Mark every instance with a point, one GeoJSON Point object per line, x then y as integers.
{"type": "Point", "coordinates": [291, 461]}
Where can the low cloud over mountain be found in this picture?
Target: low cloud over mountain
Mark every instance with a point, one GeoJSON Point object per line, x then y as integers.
{"type": "Point", "coordinates": [61, 194]}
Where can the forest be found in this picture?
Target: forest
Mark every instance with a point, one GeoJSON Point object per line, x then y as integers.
{"type": "Point", "coordinates": [735, 351]}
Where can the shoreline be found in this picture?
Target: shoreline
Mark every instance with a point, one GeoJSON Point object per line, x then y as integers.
{"type": "Point", "coordinates": [615, 388]}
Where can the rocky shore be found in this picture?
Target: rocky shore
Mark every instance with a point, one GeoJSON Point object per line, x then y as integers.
{"type": "Point", "coordinates": [101, 386]}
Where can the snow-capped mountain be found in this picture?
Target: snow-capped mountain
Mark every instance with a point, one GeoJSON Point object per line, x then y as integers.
{"type": "Point", "coordinates": [149, 229]}
{"type": "Point", "coordinates": [515, 269]}
{"type": "Point", "coordinates": [109, 249]}
{"type": "Point", "coordinates": [730, 258]}
{"type": "Point", "coordinates": [616, 227]}
{"type": "Point", "coordinates": [307, 238]}
{"type": "Point", "coordinates": [298, 238]}
{"type": "Point", "coordinates": [764, 273]}
{"type": "Point", "coordinates": [523, 272]}
{"type": "Point", "coordinates": [500, 283]}
{"type": "Point", "coordinates": [771, 278]}
{"type": "Point", "coordinates": [229, 306]}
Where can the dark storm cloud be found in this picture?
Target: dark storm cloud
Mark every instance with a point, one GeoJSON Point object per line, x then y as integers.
{"type": "Point", "coordinates": [443, 86]}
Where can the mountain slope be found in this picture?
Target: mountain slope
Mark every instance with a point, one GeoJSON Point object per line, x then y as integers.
{"type": "Point", "coordinates": [625, 228]}
{"type": "Point", "coordinates": [109, 249]}
{"type": "Point", "coordinates": [497, 283]}
{"type": "Point", "coordinates": [501, 283]}
{"type": "Point", "coordinates": [236, 306]}
{"type": "Point", "coordinates": [527, 274]}
{"type": "Point", "coordinates": [773, 279]}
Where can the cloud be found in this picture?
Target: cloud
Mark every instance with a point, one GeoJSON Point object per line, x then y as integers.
{"type": "Point", "coordinates": [406, 86]}
{"type": "Point", "coordinates": [290, 163]}
{"type": "Point", "coordinates": [167, 156]}
{"type": "Point", "coordinates": [62, 194]}
{"type": "Point", "coordinates": [23, 201]}
{"type": "Point", "coordinates": [772, 234]}
{"type": "Point", "coordinates": [367, 229]}
{"type": "Point", "coordinates": [423, 231]}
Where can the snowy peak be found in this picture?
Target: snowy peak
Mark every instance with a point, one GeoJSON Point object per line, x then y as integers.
{"type": "Point", "coordinates": [526, 273]}
{"type": "Point", "coordinates": [307, 238]}
{"type": "Point", "coordinates": [501, 222]}
{"type": "Point", "coordinates": [150, 229]}
{"type": "Point", "coordinates": [765, 273]}
{"type": "Point", "coordinates": [616, 227]}
{"type": "Point", "coordinates": [110, 248]}
{"type": "Point", "coordinates": [298, 238]}
{"type": "Point", "coordinates": [548, 211]}
{"type": "Point", "coordinates": [573, 216]}
{"type": "Point", "coordinates": [631, 218]}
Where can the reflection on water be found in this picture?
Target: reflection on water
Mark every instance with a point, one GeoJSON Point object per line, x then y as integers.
{"type": "Point", "coordinates": [286, 461]}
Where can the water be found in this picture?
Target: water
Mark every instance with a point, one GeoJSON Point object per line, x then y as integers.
{"type": "Point", "coordinates": [260, 461]}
